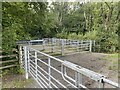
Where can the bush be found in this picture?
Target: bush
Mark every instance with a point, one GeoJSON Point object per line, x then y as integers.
{"type": "Point", "coordinates": [63, 34]}
{"type": "Point", "coordinates": [75, 36]}
{"type": "Point", "coordinates": [91, 35]}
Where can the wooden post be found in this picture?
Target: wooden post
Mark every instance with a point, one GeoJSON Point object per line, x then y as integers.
{"type": "Point", "coordinates": [26, 66]}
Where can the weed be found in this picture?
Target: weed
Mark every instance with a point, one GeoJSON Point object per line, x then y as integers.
{"type": "Point", "coordinates": [110, 67]}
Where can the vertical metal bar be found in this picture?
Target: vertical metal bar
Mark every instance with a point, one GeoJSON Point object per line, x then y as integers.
{"type": "Point", "coordinates": [43, 44]}
{"type": "Point", "coordinates": [77, 46]}
{"type": "Point", "coordinates": [78, 79]}
{"type": "Point", "coordinates": [20, 56]}
{"type": "Point", "coordinates": [94, 45]}
{"type": "Point", "coordinates": [26, 66]}
{"type": "Point", "coordinates": [65, 69]}
{"type": "Point", "coordinates": [90, 47]}
{"type": "Point", "coordinates": [49, 72]}
{"type": "Point", "coordinates": [62, 47]}
{"type": "Point", "coordinates": [52, 45]}
{"type": "Point", "coordinates": [81, 45]}
{"type": "Point", "coordinates": [36, 64]}
{"type": "Point", "coordinates": [28, 60]}
{"type": "Point", "coordinates": [101, 85]}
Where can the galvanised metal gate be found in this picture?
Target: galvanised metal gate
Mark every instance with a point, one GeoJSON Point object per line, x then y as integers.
{"type": "Point", "coordinates": [60, 46]}
{"type": "Point", "coordinates": [51, 72]}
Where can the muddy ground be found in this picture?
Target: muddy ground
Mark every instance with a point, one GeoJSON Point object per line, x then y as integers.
{"type": "Point", "coordinates": [93, 61]}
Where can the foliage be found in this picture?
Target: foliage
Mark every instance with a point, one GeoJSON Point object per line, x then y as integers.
{"type": "Point", "coordinates": [91, 35]}
{"type": "Point", "coordinates": [74, 20]}
{"type": "Point", "coordinates": [18, 20]}
{"type": "Point", "coordinates": [75, 36]}
{"type": "Point", "coordinates": [63, 34]}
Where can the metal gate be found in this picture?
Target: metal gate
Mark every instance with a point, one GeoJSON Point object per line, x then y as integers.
{"type": "Point", "coordinates": [51, 72]}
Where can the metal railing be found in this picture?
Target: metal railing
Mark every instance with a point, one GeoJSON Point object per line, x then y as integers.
{"type": "Point", "coordinates": [30, 42]}
{"type": "Point", "coordinates": [66, 45]}
{"type": "Point", "coordinates": [51, 72]}
{"type": "Point", "coordinates": [61, 45]}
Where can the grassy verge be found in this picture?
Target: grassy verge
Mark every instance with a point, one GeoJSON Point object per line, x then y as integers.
{"type": "Point", "coordinates": [17, 83]}
{"type": "Point", "coordinates": [113, 59]}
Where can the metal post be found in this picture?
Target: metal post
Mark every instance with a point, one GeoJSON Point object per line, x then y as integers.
{"type": "Point", "coordinates": [101, 84]}
{"type": "Point", "coordinates": [28, 60]}
{"type": "Point", "coordinates": [70, 42]}
{"type": "Point", "coordinates": [65, 69]}
{"type": "Point", "coordinates": [62, 47]}
{"type": "Point", "coordinates": [77, 46]}
{"type": "Point", "coordinates": [49, 72]}
{"type": "Point", "coordinates": [78, 79]}
{"type": "Point", "coordinates": [29, 43]}
{"type": "Point", "coordinates": [94, 45]}
{"type": "Point", "coordinates": [26, 66]}
{"type": "Point", "coordinates": [20, 56]}
{"type": "Point", "coordinates": [52, 45]}
{"type": "Point", "coordinates": [36, 63]}
{"type": "Point", "coordinates": [43, 44]}
{"type": "Point", "coordinates": [81, 45]}
{"type": "Point", "coordinates": [90, 47]}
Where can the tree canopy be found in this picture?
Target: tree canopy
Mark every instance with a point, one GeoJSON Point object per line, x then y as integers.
{"type": "Point", "coordinates": [73, 20]}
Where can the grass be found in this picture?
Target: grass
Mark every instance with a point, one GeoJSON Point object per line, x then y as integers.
{"type": "Point", "coordinates": [114, 56]}
{"type": "Point", "coordinates": [17, 83]}
{"type": "Point", "coordinates": [113, 59]}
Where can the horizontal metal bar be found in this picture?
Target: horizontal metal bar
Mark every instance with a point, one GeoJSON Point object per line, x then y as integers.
{"type": "Point", "coordinates": [41, 82]}
{"type": "Point", "coordinates": [52, 77]}
{"type": "Point", "coordinates": [56, 70]}
{"type": "Point", "coordinates": [111, 82]}
{"type": "Point", "coordinates": [48, 55]}
{"type": "Point", "coordinates": [74, 80]}
{"type": "Point", "coordinates": [36, 40]}
{"type": "Point", "coordinates": [42, 61]}
{"type": "Point", "coordinates": [47, 79]}
{"type": "Point", "coordinates": [31, 55]}
{"type": "Point", "coordinates": [36, 80]}
{"type": "Point", "coordinates": [32, 66]}
{"type": "Point", "coordinates": [50, 66]}
{"type": "Point", "coordinates": [93, 75]}
{"type": "Point", "coordinates": [32, 62]}
{"type": "Point", "coordinates": [33, 71]}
